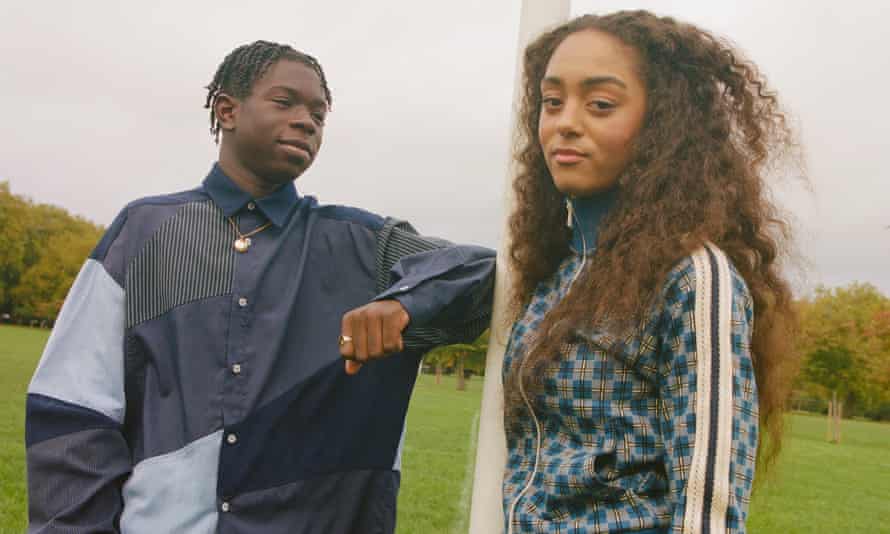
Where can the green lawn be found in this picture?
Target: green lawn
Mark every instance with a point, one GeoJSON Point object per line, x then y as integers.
{"type": "Point", "coordinates": [816, 488]}
{"type": "Point", "coordinates": [19, 350]}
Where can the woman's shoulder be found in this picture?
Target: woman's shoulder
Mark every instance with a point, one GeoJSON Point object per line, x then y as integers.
{"type": "Point", "coordinates": [706, 273]}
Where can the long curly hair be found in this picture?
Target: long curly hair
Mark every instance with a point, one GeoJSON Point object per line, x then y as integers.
{"type": "Point", "coordinates": [712, 134]}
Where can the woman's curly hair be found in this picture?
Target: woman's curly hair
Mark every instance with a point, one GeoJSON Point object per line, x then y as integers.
{"type": "Point", "coordinates": [712, 133]}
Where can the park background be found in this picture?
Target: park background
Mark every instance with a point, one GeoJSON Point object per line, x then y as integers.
{"type": "Point", "coordinates": [103, 100]}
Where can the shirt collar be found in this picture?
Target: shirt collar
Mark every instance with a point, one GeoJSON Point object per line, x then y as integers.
{"type": "Point", "coordinates": [231, 199]}
{"type": "Point", "coordinates": [588, 213]}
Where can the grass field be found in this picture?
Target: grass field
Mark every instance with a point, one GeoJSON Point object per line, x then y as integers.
{"type": "Point", "coordinates": [816, 488]}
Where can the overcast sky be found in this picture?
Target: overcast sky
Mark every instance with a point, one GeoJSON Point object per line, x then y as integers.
{"type": "Point", "coordinates": [102, 103]}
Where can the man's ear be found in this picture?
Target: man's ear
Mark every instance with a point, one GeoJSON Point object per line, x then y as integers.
{"type": "Point", "coordinates": [226, 109]}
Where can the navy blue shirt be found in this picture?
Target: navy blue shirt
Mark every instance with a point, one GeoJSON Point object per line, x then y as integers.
{"type": "Point", "coordinates": [189, 387]}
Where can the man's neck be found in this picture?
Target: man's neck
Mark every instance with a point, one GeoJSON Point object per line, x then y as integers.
{"type": "Point", "coordinates": [244, 178]}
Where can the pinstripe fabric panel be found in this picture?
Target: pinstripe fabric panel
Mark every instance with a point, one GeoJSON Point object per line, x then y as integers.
{"type": "Point", "coordinates": [396, 240]}
{"type": "Point", "coordinates": [189, 258]}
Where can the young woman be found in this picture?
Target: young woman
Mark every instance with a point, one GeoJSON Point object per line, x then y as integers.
{"type": "Point", "coordinates": [651, 317]}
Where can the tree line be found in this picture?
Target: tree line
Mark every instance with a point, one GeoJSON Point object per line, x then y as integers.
{"type": "Point", "coordinates": [843, 344]}
{"type": "Point", "coordinates": [42, 248]}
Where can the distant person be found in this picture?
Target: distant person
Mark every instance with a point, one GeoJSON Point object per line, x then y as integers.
{"type": "Point", "coordinates": [194, 382]}
{"type": "Point", "coordinates": [652, 317]}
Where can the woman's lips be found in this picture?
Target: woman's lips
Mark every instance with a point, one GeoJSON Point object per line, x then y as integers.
{"type": "Point", "coordinates": [567, 156]}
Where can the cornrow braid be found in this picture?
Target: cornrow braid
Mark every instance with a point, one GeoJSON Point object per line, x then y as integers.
{"type": "Point", "coordinates": [245, 65]}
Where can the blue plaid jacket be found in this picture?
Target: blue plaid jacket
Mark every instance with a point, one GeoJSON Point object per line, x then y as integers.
{"type": "Point", "coordinates": [659, 433]}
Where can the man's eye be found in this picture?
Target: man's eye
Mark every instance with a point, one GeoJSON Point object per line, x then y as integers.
{"type": "Point", "coordinates": [282, 102]}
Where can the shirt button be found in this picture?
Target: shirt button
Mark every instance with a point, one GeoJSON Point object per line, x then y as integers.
{"type": "Point", "coordinates": [232, 439]}
{"type": "Point", "coordinates": [236, 368]}
{"type": "Point", "coordinates": [251, 206]}
{"type": "Point", "coordinates": [242, 302]}
{"type": "Point", "coordinates": [224, 507]}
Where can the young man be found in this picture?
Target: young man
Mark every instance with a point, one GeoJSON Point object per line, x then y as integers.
{"type": "Point", "coordinates": [194, 380]}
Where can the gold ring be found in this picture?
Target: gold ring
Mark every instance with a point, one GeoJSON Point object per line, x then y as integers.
{"type": "Point", "coordinates": [344, 340]}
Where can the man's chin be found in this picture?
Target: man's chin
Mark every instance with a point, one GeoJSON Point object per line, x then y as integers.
{"type": "Point", "coordinates": [288, 172]}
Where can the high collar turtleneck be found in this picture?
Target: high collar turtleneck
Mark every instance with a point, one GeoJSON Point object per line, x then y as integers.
{"type": "Point", "coordinates": [588, 213]}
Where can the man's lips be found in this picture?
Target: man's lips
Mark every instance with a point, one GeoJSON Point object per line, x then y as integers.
{"type": "Point", "coordinates": [296, 145]}
{"type": "Point", "coordinates": [567, 156]}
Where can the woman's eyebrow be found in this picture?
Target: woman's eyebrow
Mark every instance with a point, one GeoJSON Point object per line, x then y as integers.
{"type": "Point", "coordinates": [586, 83]}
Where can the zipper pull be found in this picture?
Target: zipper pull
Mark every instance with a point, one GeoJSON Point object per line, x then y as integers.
{"type": "Point", "coordinates": [571, 213]}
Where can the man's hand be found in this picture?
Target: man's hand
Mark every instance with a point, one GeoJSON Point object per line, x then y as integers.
{"type": "Point", "coordinates": [372, 331]}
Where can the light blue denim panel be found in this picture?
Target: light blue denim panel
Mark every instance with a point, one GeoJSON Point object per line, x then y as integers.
{"type": "Point", "coordinates": [83, 362]}
{"type": "Point", "coordinates": [174, 492]}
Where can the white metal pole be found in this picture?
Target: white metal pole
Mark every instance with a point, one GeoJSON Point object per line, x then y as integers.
{"type": "Point", "coordinates": [486, 513]}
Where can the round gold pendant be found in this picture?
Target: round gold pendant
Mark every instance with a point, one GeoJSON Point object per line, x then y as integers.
{"type": "Point", "coordinates": [242, 244]}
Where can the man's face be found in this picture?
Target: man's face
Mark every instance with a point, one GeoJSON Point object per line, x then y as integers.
{"type": "Point", "coordinates": [277, 129]}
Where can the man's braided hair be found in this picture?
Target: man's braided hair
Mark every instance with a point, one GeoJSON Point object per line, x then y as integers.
{"type": "Point", "coordinates": [245, 65]}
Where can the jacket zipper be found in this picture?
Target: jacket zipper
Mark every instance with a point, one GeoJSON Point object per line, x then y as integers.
{"type": "Point", "coordinates": [525, 398]}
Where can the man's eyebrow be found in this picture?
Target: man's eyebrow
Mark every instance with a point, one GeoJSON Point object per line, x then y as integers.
{"type": "Point", "coordinates": [314, 103]}
{"type": "Point", "coordinates": [586, 82]}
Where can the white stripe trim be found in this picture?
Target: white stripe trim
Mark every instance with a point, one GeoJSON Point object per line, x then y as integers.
{"type": "Point", "coordinates": [695, 484]}
{"type": "Point", "coordinates": [720, 501]}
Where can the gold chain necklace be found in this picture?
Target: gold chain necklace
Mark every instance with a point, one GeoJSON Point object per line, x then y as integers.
{"type": "Point", "coordinates": [243, 242]}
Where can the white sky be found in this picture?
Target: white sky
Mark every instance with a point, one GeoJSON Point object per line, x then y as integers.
{"type": "Point", "coordinates": [102, 104]}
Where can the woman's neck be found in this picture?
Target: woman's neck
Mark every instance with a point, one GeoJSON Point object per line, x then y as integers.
{"type": "Point", "coordinates": [587, 214]}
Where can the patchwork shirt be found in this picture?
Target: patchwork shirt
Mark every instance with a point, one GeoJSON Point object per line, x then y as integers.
{"type": "Point", "coordinates": [188, 387]}
{"type": "Point", "coordinates": [653, 433]}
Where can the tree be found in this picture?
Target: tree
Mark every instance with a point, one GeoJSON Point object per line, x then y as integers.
{"type": "Point", "coordinates": [41, 250]}
{"type": "Point", "coordinates": [45, 284]}
{"type": "Point", "coordinates": [460, 356]}
{"type": "Point", "coordinates": [845, 343]}
{"type": "Point", "coordinates": [13, 218]}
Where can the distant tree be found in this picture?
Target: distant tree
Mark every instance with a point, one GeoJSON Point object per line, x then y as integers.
{"type": "Point", "coordinates": [42, 248]}
{"type": "Point", "coordinates": [460, 357]}
{"type": "Point", "coordinates": [13, 226]}
{"type": "Point", "coordinates": [845, 343]}
{"type": "Point", "coordinates": [43, 287]}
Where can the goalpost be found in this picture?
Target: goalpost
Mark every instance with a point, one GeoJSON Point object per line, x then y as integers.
{"type": "Point", "coordinates": [486, 514]}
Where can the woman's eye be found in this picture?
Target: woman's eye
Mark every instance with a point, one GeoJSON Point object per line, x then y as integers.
{"type": "Point", "coordinates": [551, 102]}
{"type": "Point", "coordinates": [602, 105]}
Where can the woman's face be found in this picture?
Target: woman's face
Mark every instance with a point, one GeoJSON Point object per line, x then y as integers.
{"type": "Point", "coordinates": [592, 107]}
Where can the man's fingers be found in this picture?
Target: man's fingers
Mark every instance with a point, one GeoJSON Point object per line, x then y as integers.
{"type": "Point", "coordinates": [352, 367]}
{"type": "Point", "coordinates": [392, 334]}
{"type": "Point", "coordinates": [360, 335]}
{"type": "Point", "coordinates": [347, 346]}
{"type": "Point", "coordinates": [374, 328]}
{"type": "Point", "coordinates": [372, 331]}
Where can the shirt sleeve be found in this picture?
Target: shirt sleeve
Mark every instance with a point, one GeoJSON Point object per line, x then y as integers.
{"type": "Point", "coordinates": [77, 457]}
{"type": "Point", "coordinates": [709, 396]}
{"type": "Point", "coordinates": [446, 289]}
